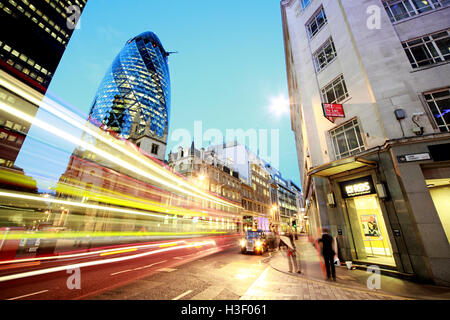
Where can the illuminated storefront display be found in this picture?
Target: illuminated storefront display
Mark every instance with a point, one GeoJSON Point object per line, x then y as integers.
{"type": "Point", "coordinates": [366, 220]}
{"type": "Point", "coordinates": [357, 187]}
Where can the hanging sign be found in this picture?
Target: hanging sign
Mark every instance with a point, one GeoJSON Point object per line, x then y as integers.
{"type": "Point", "coordinates": [331, 111]}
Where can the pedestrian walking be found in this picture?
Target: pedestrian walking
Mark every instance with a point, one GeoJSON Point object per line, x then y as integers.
{"type": "Point", "coordinates": [328, 252]}
{"type": "Point", "coordinates": [287, 243]}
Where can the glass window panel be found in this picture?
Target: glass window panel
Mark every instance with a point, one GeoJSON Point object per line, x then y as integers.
{"type": "Point", "coordinates": [432, 49]}
{"type": "Point", "coordinates": [420, 53]}
{"type": "Point", "coordinates": [342, 143]}
{"type": "Point", "coordinates": [352, 139]}
{"type": "Point", "coordinates": [444, 45]}
{"type": "Point", "coordinates": [399, 11]}
{"type": "Point", "coordinates": [441, 94]}
{"type": "Point", "coordinates": [340, 93]}
{"type": "Point", "coordinates": [330, 96]}
{"type": "Point", "coordinates": [359, 136]}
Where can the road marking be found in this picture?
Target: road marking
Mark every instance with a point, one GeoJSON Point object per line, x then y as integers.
{"type": "Point", "coordinates": [182, 295]}
{"type": "Point", "coordinates": [150, 265]}
{"type": "Point", "coordinates": [255, 284]}
{"type": "Point", "coordinates": [139, 268]}
{"type": "Point", "coordinates": [112, 274]}
{"type": "Point", "coordinates": [27, 295]}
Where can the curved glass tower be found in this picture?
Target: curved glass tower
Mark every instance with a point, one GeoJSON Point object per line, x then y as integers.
{"type": "Point", "coordinates": [133, 99]}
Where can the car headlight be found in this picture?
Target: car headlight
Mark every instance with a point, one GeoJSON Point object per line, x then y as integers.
{"type": "Point", "coordinates": [243, 243]}
{"type": "Point", "coordinates": [258, 243]}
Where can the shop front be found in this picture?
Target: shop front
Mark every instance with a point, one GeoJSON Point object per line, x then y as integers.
{"type": "Point", "coordinates": [437, 179]}
{"type": "Point", "coordinates": [365, 220]}
{"type": "Point", "coordinates": [388, 207]}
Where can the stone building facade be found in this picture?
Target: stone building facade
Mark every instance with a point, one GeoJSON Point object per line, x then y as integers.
{"type": "Point", "coordinates": [370, 94]}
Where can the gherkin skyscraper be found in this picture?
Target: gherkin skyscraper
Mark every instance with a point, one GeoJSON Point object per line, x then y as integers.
{"type": "Point", "coordinates": [133, 99]}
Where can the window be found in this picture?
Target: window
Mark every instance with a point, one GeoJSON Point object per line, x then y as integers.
{"type": "Point", "coordinates": [402, 9]}
{"type": "Point", "coordinates": [316, 23]}
{"type": "Point", "coordinates": [439, 103]}
{"type": "Point", "coordinates": [336, 91]}
{"type": "Point", "coordinates": [155, 148]}
{"type": "Point", "coordinates": [305, 3]}
{"type": "Point", "coordinates": [347, 140]}
{"type": "Point", "coordinates": [324, 55]}
{"type": "Point", "coordinates": [429, 49]}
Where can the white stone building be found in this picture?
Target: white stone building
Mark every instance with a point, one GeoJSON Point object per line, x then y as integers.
{"type": "Point", "coordinates": [378, 173]}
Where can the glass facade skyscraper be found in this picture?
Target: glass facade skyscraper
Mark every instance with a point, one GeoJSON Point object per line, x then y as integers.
{"type": "Point", "coordinates": [133, 99]}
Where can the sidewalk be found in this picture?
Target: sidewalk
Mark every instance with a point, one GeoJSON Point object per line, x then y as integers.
{"type": "Point", "coordinates": [313, 277]}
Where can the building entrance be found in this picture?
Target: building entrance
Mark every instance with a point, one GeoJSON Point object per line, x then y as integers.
{"type": "Point", "coordinates": [440, 193]}
{"type": "Point", "coordinates": [368, 228]}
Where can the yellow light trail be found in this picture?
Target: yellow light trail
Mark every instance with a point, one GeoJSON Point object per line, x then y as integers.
{"type": "Point", "coordinates": [117, 252]}
{"type": "Point", "coordinates": [76, 122]}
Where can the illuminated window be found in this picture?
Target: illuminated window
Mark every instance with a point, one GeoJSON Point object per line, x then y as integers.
{"type": "Point", "coordinates": [12, 138]}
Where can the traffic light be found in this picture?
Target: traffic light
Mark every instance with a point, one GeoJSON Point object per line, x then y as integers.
{"type": "Point", "coordinates": [294, 223]}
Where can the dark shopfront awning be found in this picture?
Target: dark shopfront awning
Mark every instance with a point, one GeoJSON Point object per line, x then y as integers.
{"type": "Point", "coordinates": [339, 166]}
{"type": "Point", "coordinates": [336, 167]}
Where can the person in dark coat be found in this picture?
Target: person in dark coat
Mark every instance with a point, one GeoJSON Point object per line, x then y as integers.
{"type": "Point", "coordinates": [328, 253]}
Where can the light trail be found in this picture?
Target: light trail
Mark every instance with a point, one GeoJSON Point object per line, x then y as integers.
{"type": "Point", "coordinates": [105, 155]}
{"type": "Point", "coordinates": [77, 122]}
{"type": "Point", "coordinates": [98, 262]}
{"type": "Point", "coordinates": [83, 254]}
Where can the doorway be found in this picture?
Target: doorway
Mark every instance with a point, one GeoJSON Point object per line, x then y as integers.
{"type": "Point", "coordinates": [369, 232]}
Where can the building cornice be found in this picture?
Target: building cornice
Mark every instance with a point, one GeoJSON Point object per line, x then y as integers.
{"type": "Point", "coordinates": [287, 3]}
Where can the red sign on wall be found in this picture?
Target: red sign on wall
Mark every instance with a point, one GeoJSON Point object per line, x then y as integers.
{"type": "Point", "coordinates": [331, 110]}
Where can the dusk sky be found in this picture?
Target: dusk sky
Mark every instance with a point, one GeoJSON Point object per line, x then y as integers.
{"type": "Point", "coordinates": [229, 66]}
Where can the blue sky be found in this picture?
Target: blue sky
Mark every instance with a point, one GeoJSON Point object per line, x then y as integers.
{"type": "Point", "coordinates": [230, 62]}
